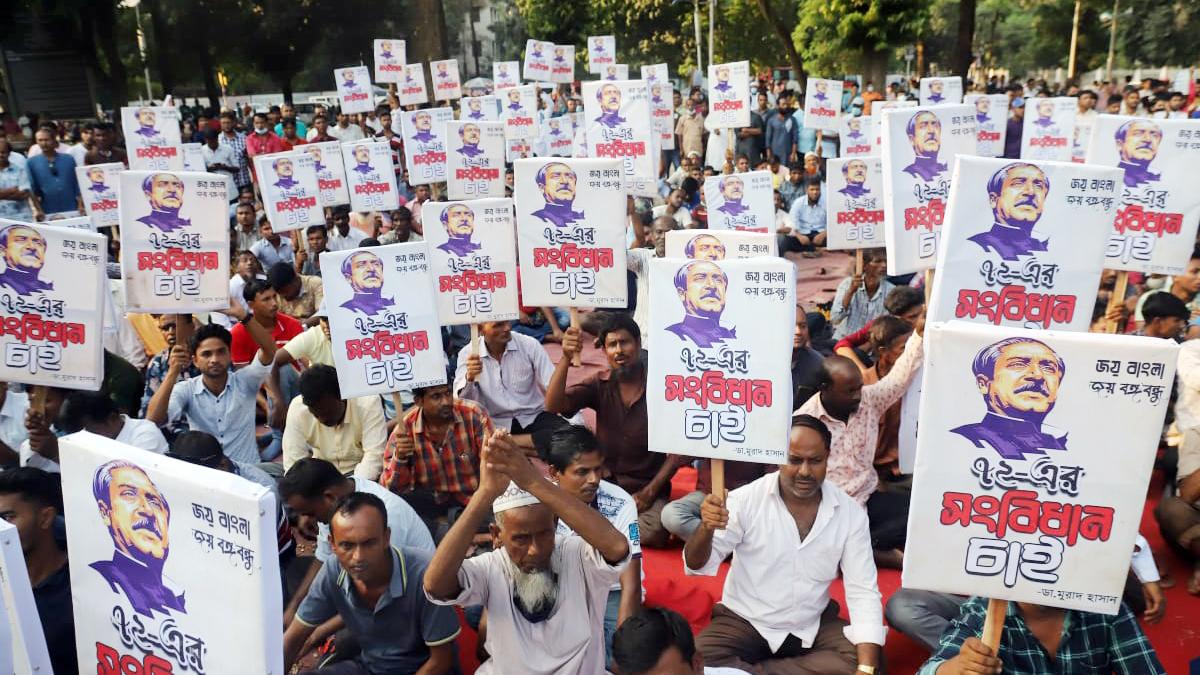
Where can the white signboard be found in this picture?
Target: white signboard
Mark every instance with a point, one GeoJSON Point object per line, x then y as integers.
{"type": "Point", "coordinates": [720, 383]}
{"type": "Point", "coordinates": [728, 95]}
{"type": "Point", "coordinates": [370, 176]}
{"type": "Point", "coordinates": [383, 319]}
{"type": "Point", "coordinates": [390, 57]}
{"type": "Point", "coordinates": [354, 89]}
{"type": "Point", "coordinates": [823, 104]}
{"type": "Point", "coordinates": [619, 126]}
{"type": "Point", "coordinates": [193, 157]}
{"type": "Point", "coordinates": [160, 550]}
{"type": "Point", "coordinates": [475, 160]}
{"type": "Point", "coordinates": [506, 74]}
{"type": "Point", "coordinates": [919, 149]}
{"type": "Point", "coordinates": [537, 60]}
{"type": "Point", "coordinates": [662, 105]}
{"type": "Point", "coordinates": [720, 244]}
{"type": "Point", "coordinates": [562, 64]}
{"type": "Point", "coordinates": [602, 52]}
{"type": "Point", "coordinates": [479, 109]}
{"type": "Point", "coordinates": [572, 245]}
{"type": "Point", "coordinates": [858, 136]}
{"type": "Point", "coordinates": [291, 197]}
{"type": "Point", "coordinates": [152, 138]}
{"type": "Point", "coordinates": [22, 644]}
{"type": "Point", "coordinates": [1049, 128]}
{"type": "Point", "coordinates": [424, 134]}
{"type": "Point", "coordinates": [518, 111]}
{"type": "Point", "coordinates": [411, 89]}
{"type": "Point", "coordinates": [991, 120]}
{"type": "Point", "coordinates": [446, 82]}
{"type": "Point", "coordinates": [617, 71]}
{"type": "Point", "coordinates": [518, 148]}
{"type": "Point", "coordinates": [174, 241]}
{"type": "Point", "coordinates": [558, 136]}
{"type": "Point", "coordinates": [854, 205]}
{"type": "Point", "coordinates": [1023, 243]}
{"type": "Point", "coordinates": [331, 173]}
{"type": "Point", "coordinates": [98, 188]}
{"type": "Point", "coordinates": [472, 254]}
{"type": "Point", "coordinates": [877, 109]}
{"type": "Point", "coordinates": [1154, 230]}
{"type": "Point", "coordinates": [1017, 493]}
{"type": "Point", "coordinates": [740, 201]}
{"type": "Point", "coordinates": [941, 90]}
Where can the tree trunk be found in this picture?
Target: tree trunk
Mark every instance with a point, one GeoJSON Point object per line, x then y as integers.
{"type": "Point", "coordinates": [285, 85]}
{"type": "Point", "coordinates": [966, 38]}
{"type": "Point", "coordinates": [208, 74]}
{"type": "Point", "coordinates": [428, 41]}
{"type": "Point", "coordinates": [874, 66]}
{"type": "Point", "coordinates": [105, 22]}
{"type": "Point", "coordinates": [785, 37]}
{"type": "Point", "coordinates": [162, 38]}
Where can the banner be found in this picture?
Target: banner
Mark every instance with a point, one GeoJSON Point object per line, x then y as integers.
{"type": "Point", "coordinates": [537, 61]}
{"type": "Point", "coordinates": [354, 89]}
{"type": "Point", "coordinates": [370, 176]}
{"type": "Point", "coordinates": [473, 257]}
{"type": "Point", "coordinates": [572, 241]}
{"type": "Point", "coordinates": [602, 52]}
{"type": "Point", "coordinates": [519, 112]}
{"type": "Point", "coordinates": [617, 71]}
{"type": "Point", "coordinates": [720, 384]}
{"type": "Point", "coordinates": [662, 105]}
{"type": "Point", "coordinates": [858, 136]}
{"type": "Point", "coordinates": [941, 90]}
{"type": "Point", "coordinates": [98, 189]}
{"type": "Point", "coordinates": [562, 65]}
{"type": "Point", "coordinates": [479, 109]}
{"type": "Point", "coordinates": [823, 104]}
{"type": "Point", "coordinates": [505, 74]}
{"type": "Point", "coordinates": [22, 643]}
{"type": "Point", "coordinates": [558, 137]}
{"type": "Point", "coordinates": [919, 149]}
{"type": "Point", "coordinates": [390, 58]}
{"type": "Point", "coordinates": [475, 160]}
{"type": "Point", "coordinates": [383, 319]}
{"type": "Point", "coordinates": [1023, 244]}
{"type": "Point", "coordinates": [152, 138]}
{"type": "Point", "coordinates": [619, 125]}
{"type": "Point", "coordinates": [991, 121]}
{"type": "Point", "coordinates": [1049, 128]}
{"type": "Point", "coordinates": [331, 173]}
{"type": "Point", "coordinates": [728, 95]}
{"type": "Point", "coordinates": [288, 181]}
{"type": "Point", "coordinates": [160, 550]}
{"type": "Point", "coordinates": [424, 134]}
{"type": "Point", "coordinates": [411, 90]}
{"type": "Point", "coordinates": [741, 201]}
{"type": "Point", "coordinates": [1154, 230]}
{"type": "Point", "coordinates": [720, 244]}
{"type": "Point", "coordinates": [446, 83]}
{"type": "Point", "coordinates": [854, 205]}
{"type": "Point", "coordinates": [193, 157]}
{"type": "Point", "coordinates": [1018, 494]}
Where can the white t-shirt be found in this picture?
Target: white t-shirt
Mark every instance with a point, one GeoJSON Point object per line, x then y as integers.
{"type": "Point", "coordinates": [352, 132]}
{"type": "Point", "coordinates": [337, 242]}
{"type": "Point", "coordinates": [139, 433]}
{"type": "Point", "coordinates": [407, 528]}
{"type": "Point", "coordinates": [619, 509]}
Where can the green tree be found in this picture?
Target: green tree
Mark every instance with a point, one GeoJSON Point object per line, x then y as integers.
{"type": "Point", "coordinates": [857, 35]}
{"type": "Point", "coordinates": [1155, 32]}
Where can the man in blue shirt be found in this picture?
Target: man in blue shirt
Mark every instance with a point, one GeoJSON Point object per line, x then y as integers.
{"type": "Point", "coordinates": [808, 222]}
{"type": "Point", "coordinates": [781, 132]}
{"type": "Point", "coordinates": [52, 179]}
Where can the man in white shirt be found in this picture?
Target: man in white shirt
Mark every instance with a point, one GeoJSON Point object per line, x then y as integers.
{"type": "Point", "coordinates": [675, 209]}
{"type": "Point", "coordinates": [1178, 513]}
{"type": "Point", "coordinates": [797, 528]}
{"type": "Point", "coordinates": [344, 131]}
{"type": "Point", "coordinates": [342, 237]}
{"type": "Point", "coordinates": [544, 594]}
{"type": "Point", "coordinates": [659, 641]}
{"type": "Point", "coordinates": [638, 261]}
{"type": "Point", "coordinates": [94, 412]}
{"type": "Point", "coordinates": [349, 433]}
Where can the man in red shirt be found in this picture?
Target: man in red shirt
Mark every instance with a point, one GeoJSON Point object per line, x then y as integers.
{"type": "Point", "coordinates": [264, 310]}
{"type": "Point", "coordinates": [290, 139]}
{"type": "Point", "coordinates": [262, 142]}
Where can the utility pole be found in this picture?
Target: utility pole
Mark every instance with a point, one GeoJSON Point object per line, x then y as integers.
{"type": "Point", "coordinates": [1112, 41]}
{"type": "Point", "coordinates": [1074, 41]}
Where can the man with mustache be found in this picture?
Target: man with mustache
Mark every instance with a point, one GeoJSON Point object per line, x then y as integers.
{"type": "Point", "coordinates": [983, 105]}
{"type": "Point", "coordinates": [138, 518]}
{"type": "Point", "coordinates": [855, 173]}
{"type": "Point", "coordinates": [147, 130]}
{"type": "Point", "coordinates": [732, 190]}
{"type": "Point", "coordinates": [722, 84]}
{"type": "Point", "coordinates": [701, 286]}
{"type": "Point", "coordinates": [925, 134]}
{"type": "Point", "coordinates": [459, 222]}
{"type": "Point", "coordinates": [1044, 124]}
{"type": "Point", "coordinates": [423, 123]}
{"type": "Point", "coordinates": [284, 175]}
{"type": "Point", "coordinates": [1019, 379]}
{"type": "Point", "coordinates": [164, 191]}
{"type": "Point", "coordinates": [469, 135]}
{"type": "Point", "coordinates": [475, 108]}
{"type": "Point", "coordinates": [364, 272]}
{"type": "Point", "coordinates": [96, 176]}
{"type": "Point", "coordinates": [1017, 193]}
{"type": "Point", "coordinates": [514, 100]}
{"type": "Point", "coordinates": [24, 257]}
{"type": "Point", "coordinates": [1137, 144]}
{"type": "Point", "coordinates": [609, 97]}
{"type": "Point", "coordinates": [704, 247]}
{"type": "Point", "coordinates": [936, 87]}
{"type": "Point", "coordinates": [557, 182]}
{"type": "Point", "coordinates": [362, 162]}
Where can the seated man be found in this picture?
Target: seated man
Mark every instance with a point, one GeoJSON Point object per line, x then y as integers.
{"type": "Point", "coordinates": [264, 310]}
{"type": "Point", "coordinates": [889, 334]}
{"type": "Point", "coordinates": [544, 594]}
{"type": "Point", "coordinates": [905, 302]}
{"type": "Point", "coordinates": [658, 641]}
{"type": "Point", "coordinates": [298, 295]}
{"type": "Point", "coordinates": [377, 590]}
{"type": "Point", "coordinates": [1178, 514]}
{"type": "Point", "coordinates": [1038, 639]}
{"type": "Point", "coordinates": [799, 528]}
{"type": "Point", "coordinates": [311, 348]}
{"type": "Point", "coordinates": [168, 325]}
{"type": "Point", "coordinates": [92, 411]}
{"type": "Point", "coordinates": [308, 260]}
{"type": "Point", "coordinates": [349, 433]}
{"type": "Point", "coordinates": [508, 377]}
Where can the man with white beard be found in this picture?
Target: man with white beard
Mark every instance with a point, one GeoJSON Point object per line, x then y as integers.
{"type": "Point", "coordinates": [545, 595]}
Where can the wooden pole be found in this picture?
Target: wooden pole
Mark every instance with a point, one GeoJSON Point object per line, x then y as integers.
{"type": "Point", "coordinates": [718, 477]}
{"type": "Point", "coordinates": [183, 329]}
{"type": "Point", "coordinates": [994, 624]}
{"type": "Point", "coordinates": [474, 345]}
{"type": "Point", "coordinates": [858, 263]}
{"type": "Point", "coordinates": [399, 406]}
{"type": "Point", "coordinates": [578, 360]}
{"type": "Point", "coordinates": [1117, 299]}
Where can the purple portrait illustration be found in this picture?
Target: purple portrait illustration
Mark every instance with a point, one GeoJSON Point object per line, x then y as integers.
{"type": "Point", "coordinates": [1017, 194]}
{"type": "Point", "coordinates": [24, 257]}
{"type": "Point", "coordinates": [385, 49]}
{"type": "Point", "coordinates": [983, 106]}
{"type": "Point", "coordinates": [702, 287]}
{"type": "Point", "coordinates": [924, 131]}
{"type": "Point", "coordinates": [821, 95]}
{"type": "Point", "coordinates": [609, 97]}
{"type": "Point", "coordinates": [469, 135]}
{"type": "Point", "coordinates": [423, 123]}
{"type": "Point", "coordinates": [348, 80]}
{"type": "Point", "coordinates": [164, 193]}
{"type": "Point", "coordinates": [362, 162]}
{"type": "Point", "coordinates": [1019, 379]}
{"type": "Point", "coordinates": [514, 100]}
{"type": "Point", "coordinates": [1044, 124]}
{"type": "Point", "coordinates": [147, 129]}
{"type": "Point", "coordinates": [364, 272]}
{"type": "Point", "coordinates": [557, 182]}
{"type": "Point", "coordinates": [138, 518]}
{"type": "Point", "coordinates": [855, 173]}
{"type": "Point", "coordinates": [936, 87]}
{"type": "Point", "coordinates": [732, 189]}
{"type": "Point", "coordinates": [97, 185]}
{"type": "Point", "coordinates": [722, 84]}
{"type": "Point", "coordinates": [459, 222]}
{"type": "Point", "coordinates": [284, 174]}
{"type": "Point", "coordinates": [704, 247]}
{"type": "Point", "coordinates": [475, 108]}
{"type": "Point", "coordinates": [1137, 144]}
{"type": "Point", "coordinates": [854, 128]}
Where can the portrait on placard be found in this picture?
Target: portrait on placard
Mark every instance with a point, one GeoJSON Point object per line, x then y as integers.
{"type": "Point", "coordinates": [446, 83]}
{"type": "Point", "coordinates": [472, 255]}
{"type": "Point", "coordinates": [193, 157]}
{"type": "Point", "coordinates": [728, 95]}
{"type": "Point", "coordinates": [98, 190]}
{"type": "Point", "coordinates": [518, 148]}
{"type": "Point", "coordinates": [614, 72]}
{"type": "Point", "coordinates": [823, 104]}
{"type": "Point", "coordinates": [941, 90]}
{"type": "Point", "coordinates": [858, 136]}
{"type": "Point", "coordinates": [854, 204]}
{"type": "Point", "coordinates": [1049, 128]}
{"type": "Point", "coordinates": [424, 133]}
{"type": "Point", "coordinates": [558, 137]}
{"type": "Point", "coordinates": [475, 159]}
{"type": "Point", "coordinates": [719, 385]}
{"type": "Point", "coordinates": [518, 111]}
{"type": "Point", "coordinates": [720, 244]}
{"type": "Point", "coordinates": [152, 138]}
{"type": "Point", "coordinates": [390, 59]}
{"type": "Point", "coordinates": [991, 120]}
{"type": "Point", "coordinates": [291, 197]}
{"type": "Point", "coordinates": [411, 88]}
{"type": "Point", "coordinates": [662, 104]}
{"type": "Point", "coordinates": [618, 124]}
{"type": "Point", "coordinates": [877, 109]}
{"type": "Point", "coordinates": [537, 60]}
{"type": "Point", "coordinates": [740, 201]}
{"type": "Point", "coordinates": [1016, 495]}
{"type": "Point", "coordinates": [354, 89]}
{"type": "Point", "coordinates": [602, 52]}
{"type": "Point", "coordinates": [331, 173]}
{"type": "Point", "coordinates": [370, 176]}
{"type": "Point", "coordinates": [479, 109]}
{"type": "Point", "coordinates": [562, 64]}
{"type": "Point", "coordinates": [506, 74]}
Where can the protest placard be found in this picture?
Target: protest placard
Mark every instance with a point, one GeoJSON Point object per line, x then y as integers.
{"type": "Point", "coordinates": [383, 319]}
{"type": "Point", "coordinates": [370, 176]}
{"type": "Point", "coordinates": [1018, 494]}
{"type": "Point", "coordinates": [424, 134]}
{"type": "Point", "coordinates": [537, 61]}
{"type": "Point", "coordinates": [743, 201]}
{"type": "Point", "coordinates": [475, 160]}
{"type": "Point", "coordinates": [940, 90]}
{"type": "Point", "coordinates": [858, 136]}
{"type": "Point", "coordinates": [854, 205]}
{"type": "Point", "coordinates": [518, 148]}
{"type": "Point", "coordinates": [518, 111]}
{"type": "Point", "coordinates": [354, 89]}
{"type": "Point", "coordinates": [175, 241]}
{"type": "Point", "coordinates": [1083, 135]}
{"type": "Point", "coordinates": [1154, 230]}
{"type": "Point", "coordinates": [446, 82]}
{"type": "Point", "coordinates": [160, 550]}
{"type": "Point", "coordinates": [877, 109]}
{"type": "Point", "coordinates": [562, 64]}
{"type": "Point", "coordinates": [720, 385]}
{"type": "Point", "coordinates": [572, 247]}
{"type": "Point", "coordinates": [919, 149]}
{"type": "Point", "coordinates": [98, 189]}
{"type": "Point", "coordinates": [991, 122]}
{"type": "Point", "coordinates": [411, 89]}
{"type": "Point", "coordinates": [390, 58]}
{"type": "Point", "coordinates": [602, 52]}
{"type": "Point", "coordinates": [1049, 128]}
{"type": "Point", "coordinates": [619, 125]}
{"type": "Point", "coordinates": [472, 255]}
{"type": "Point", "coordinates": [720, 244]}
{"type": "Point", "coordinates": [288, 182]}
{"type": "Point", "coordinates": [479, 109]}
{"type": "Point", "coordinates": [1023, 244]}
{"type": "Point", "coordinates": [823, 104]}
{"type": "Point", "coordinates": [193, 157]}
{"type": "Point", "coordinates": [558, 137]}
{"type": "Point", "coordinates": [22, 643]}
{"type": "Point", "coordinates": [614, 72]}
{"type": "Point", "coordinates": [152, 138]}
{"type": "Point", "coordinates": [506, 74]}
{"type": "Point", "coordinates": [728, 95]}
{"type": "Point", "coordinates": [74, 223]}
{"type": "Point", "coordinates": [331, 173]}
{"type": "Point", "coordinates": [662, 106]}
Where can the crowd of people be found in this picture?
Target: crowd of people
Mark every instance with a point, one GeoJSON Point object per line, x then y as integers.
{"type": "Point", "coordinates": [490, 493]}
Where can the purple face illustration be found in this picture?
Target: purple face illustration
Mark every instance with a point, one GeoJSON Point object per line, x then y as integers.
{"type": "Point", "coordinates": [364, 272]}
{"type": "Point", "coordinates": [164, 193]}
{"type": "Point", "coordinates": [925, 134]}
{"type": "Point", "coordinates": [24, 256]}
{"type": "Point", "coordinates": [1137, 144]}
{"type": "Point", "coordinates": [702, 288]}
{"type": "Point", "coordinates": [1017, 194]}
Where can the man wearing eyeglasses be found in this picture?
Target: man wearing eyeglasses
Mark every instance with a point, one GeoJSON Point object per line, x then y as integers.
{"type": "Point", "coordinates": [52, 179]}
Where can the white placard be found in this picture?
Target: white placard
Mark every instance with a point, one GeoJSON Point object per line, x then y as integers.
{"type": "Point", "coordinates": [1154, 230]}
{"type": "Point", "coordinates": [602, 52]}
{"type": "Point", "coordinates": [411, 89]}
{"type": "Point", "coordinates": [152, 138]}
{"type": "Point", "coordinates": [619, 125]}
{"type": "Point", "coordinates": [354, 89]}
{"type": "Point", "coordinates": [572, 246]}
{"type": "Point", "coordinates": [720, 244]}
{"type": "Point", "coordinates": [288, 182]}
{"type": "Point", "coordinates": [1049, 128]}
{"type": "Point", "coordinates": [390, 57]}
{"type": "Point", "coordinates": [193, 157]}
{"type": "Point", "coordinates": [370, 176]}
{"type": "Point", "coordinates": [446, 82]}
{"type": "Point", "coordinates": [331, 173]}
{"type": "Point", "coordinates": [558, 137]}
{"type": "Point", "coordinates": [741, 201]}
{"type": "Point", "coordinates": [537, 60]}
{"type": "Point", "coordinates": [662, 104]}
{"type": "Point", "coordinates": [383, 319]}
{"type": "Point", "coordinates": [919, 149]}
{"type": "Point", "coordinates": [479, 109]}
{"type": "Point", "coordinates": [1023, 243]}
{"type": "Point", "coordinates": [518, 111]}
{"type": "Point", "coordinates": [877, 109]}
{"type": "Point", "coordinates": [1018, 494]}
{"type": "Point", "coordinates": [424, 134]}
{"type": "Point", "coordinates": [518, 148]}
{"type": "Point", "coordinates": [472, 254]}
{"type": "Point", "coordinates": [941, 90]}
{"type": "Point", "coordinates": [728, 95]}
{"type": "Point", "coordinates": [720, 383]}
{"type": "Point", "coordinates": [854, 205]}
{"type": "Point", "coordinates": [174, 241]}
{"type": "Point", "coordinates": [562, 64]}
{"type": "Point", "coordinates": [98, 189]}
{"type": "Point", "coordinates": [75, 223]}
{"type": "Point", "coordinates": [858, 136]}
{"type": "Point", "coordinates": [160, 549]}
{"type": "Point", "coordinates": [991, 122]}
{"type": "Point", "coordinates": [506, 74]}
{"type": "Point", "coordinates": [823, 104]}
{"type": "Point", "coordinates": [475, 160]}
{"type": "Point", "coordinates": [22, 643]}
{"type": "Point", "coordinates": [614, 72]}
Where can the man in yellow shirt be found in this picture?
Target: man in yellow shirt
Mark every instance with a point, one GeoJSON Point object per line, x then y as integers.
{"type": "Point", "coordinates": [350, 434]}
